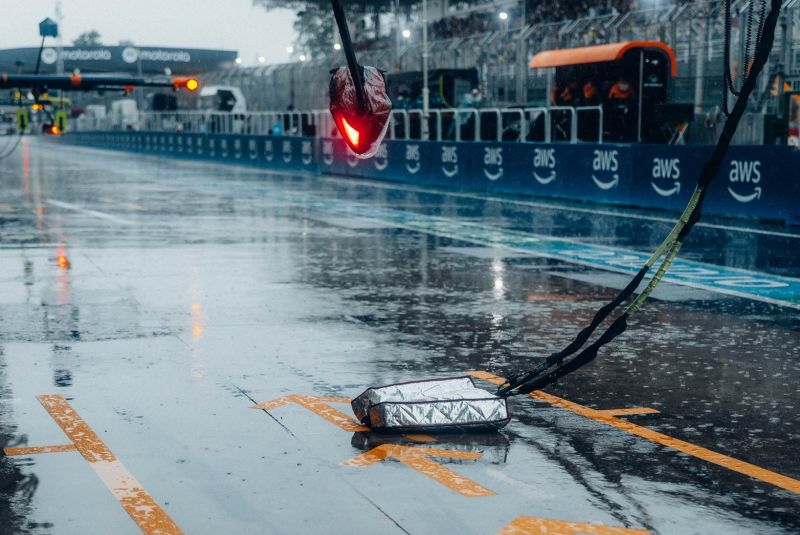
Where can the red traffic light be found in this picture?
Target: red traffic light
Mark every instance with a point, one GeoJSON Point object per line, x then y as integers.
{"type": "Point", "coordinates": [190, 84]}
{"type": "Point", "coordinates": [51, 129]}
{"type": "Point", "coordinates": [350, 133]}
{"type": "Point", "coordinates": [362, 127]}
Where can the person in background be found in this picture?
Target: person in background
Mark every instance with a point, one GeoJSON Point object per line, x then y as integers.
{"type": "Point", "coordinates": [621, 114]}
{"type": "Point", "coordinates": [468, 101]}
{"type": "Point", "coordinates": [622, 90]}
{"type": "Point", "coordinates": [589, 120]}
{"type": "Point", "coordinates": [591, 94]}
{"type": "Point", "coordinates": [569, 94]}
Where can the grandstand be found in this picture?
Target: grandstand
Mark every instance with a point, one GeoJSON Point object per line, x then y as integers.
{"type": "Point", "coordinates": [470, 35]}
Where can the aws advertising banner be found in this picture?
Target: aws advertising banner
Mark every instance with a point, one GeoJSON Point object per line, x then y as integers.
{"type": "Point", "coordinates": [754, 181]}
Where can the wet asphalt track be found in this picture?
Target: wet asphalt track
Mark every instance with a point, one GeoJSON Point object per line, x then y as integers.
{"type": "Point", "coordinates": [162, 299]}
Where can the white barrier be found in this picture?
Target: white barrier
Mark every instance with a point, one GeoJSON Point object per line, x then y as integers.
{"type": "Point", "coordinates": [541, 124]}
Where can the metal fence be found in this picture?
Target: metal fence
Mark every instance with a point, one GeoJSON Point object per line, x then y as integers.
{"type": "Point", "coordinates": [536, 124]}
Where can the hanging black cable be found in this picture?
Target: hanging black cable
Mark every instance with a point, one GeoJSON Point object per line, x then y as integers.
{"type": "Point", "coordinates": [350, 54]}
{"type": "Point", "coordinates": [537, 378]}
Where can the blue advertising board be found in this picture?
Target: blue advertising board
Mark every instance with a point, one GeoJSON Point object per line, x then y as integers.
{"type": "Point", "coordinates": [754, 181]}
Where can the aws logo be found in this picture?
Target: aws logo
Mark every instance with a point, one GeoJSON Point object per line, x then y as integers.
{"type": "Point", "coordinates": [269, 151]}
{"type": "Point", "coordinates": [223, 147]}
{"type": "Point", "coordinates": [327, 152]}
{"type": "Point", "coordinates": [252, 149]}
{"type": "Point", "coordinates": [237, 149]}
{"type": "Point", "coordinates": [493, 159]}
{"type": "Point", "coordinates": [306, 152]}
{"type": "Point", "coordinates": [412, 158]}
{"type": "Point", "coordinates": [286, 150]}
{"type": "Point", "coordinates": [670, 169]}
{"type": "Point", "coordinates": [352, 159]}
{"type": "Point", "coordinates": [212, 147]}
{"type": "Point", "coordinates": [381, 159]}
{"type": "Point", "coordinates": [544, 162]}
{"type": "Point", "coordinates": [190, 145]}
{"type": "Point", "coordinates": [606, 161]}
{"type": "Point", "coordinates": [180, 143]}
{"type": "Point", "coordinates": [449, 160]}
{"type": "Point", "coordinates": [745, 172]}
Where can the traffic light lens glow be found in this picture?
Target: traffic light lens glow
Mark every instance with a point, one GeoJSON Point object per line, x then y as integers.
{"type": "Point", "coordinates": [192, 84]}
{"type": "Point", "coordinates": [351, 133]}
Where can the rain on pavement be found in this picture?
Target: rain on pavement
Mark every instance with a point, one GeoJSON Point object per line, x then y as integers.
{"type": "Point", "coordinates": [147, 304]}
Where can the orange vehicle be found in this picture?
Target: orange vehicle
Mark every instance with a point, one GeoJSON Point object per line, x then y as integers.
{"type": "Point", "coordinates": [632, 79]}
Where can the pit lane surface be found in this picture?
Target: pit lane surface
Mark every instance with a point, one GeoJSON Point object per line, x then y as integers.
{"type": "Point", "coordinates": [148, 304]}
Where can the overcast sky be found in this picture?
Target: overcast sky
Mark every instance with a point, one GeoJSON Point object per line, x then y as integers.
{"type": "Point", "coordinates": [222, 24]}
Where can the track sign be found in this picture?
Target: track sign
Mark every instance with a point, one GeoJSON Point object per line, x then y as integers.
{"type": "Point", "coordinates": [362, 129]}
{"type": "Point", "coordinates": [23, 119]}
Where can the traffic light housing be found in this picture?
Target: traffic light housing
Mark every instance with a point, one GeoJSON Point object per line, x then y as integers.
{"type": "Point", "coordinates": [23, 119]}
{"type": "Point", "coordinates": [362, 124]}
{"type": "Point", "coordinates": [61, 121]}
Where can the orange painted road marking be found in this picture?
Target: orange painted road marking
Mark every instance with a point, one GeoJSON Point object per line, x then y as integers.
{"type": "Point", "coordinates": [725, 461]}
{"type": "Point", "coordinates": [36, 450]}
{"type": "Point", "coordinates": [417, 458]}
{"type": "Point", "coordinates": [628, 412]}
{"type": "Point", "coordinates": [316, 404]}
{"type": "Point", "coordinates": [528, 525]}
{"type": "Point", "coordinates": [142, 508]}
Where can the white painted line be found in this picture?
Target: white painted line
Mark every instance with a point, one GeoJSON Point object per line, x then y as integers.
{"type": "Point", "coordinates": [94, 213]}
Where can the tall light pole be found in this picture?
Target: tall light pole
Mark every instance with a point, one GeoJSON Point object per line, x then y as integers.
{"type": "Point", "coordinates": [59, 42]}
{"type": "Point", "coordinates": [396, 35]}
{"type": "Point", "coordinates": [425, 90]}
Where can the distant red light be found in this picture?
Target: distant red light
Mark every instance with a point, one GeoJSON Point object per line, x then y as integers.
{"type": "Point", "coordinates": [62, 261]}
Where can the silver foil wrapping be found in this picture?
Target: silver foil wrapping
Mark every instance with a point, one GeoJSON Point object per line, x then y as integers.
{"type": "Point", "coordinates": [450, 404]}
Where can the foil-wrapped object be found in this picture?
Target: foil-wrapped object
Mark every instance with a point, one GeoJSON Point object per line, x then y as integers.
{"type": "Point", "coordinates": [450, 404]}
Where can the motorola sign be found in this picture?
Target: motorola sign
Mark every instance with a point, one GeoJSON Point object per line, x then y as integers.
{"type": "Point", "coordinates": [132, 59]}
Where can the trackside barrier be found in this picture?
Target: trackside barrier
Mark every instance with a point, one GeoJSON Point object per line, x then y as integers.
{"type": "Point", "coordinates": [756, 181]}
{"type": "Point", "coordinates": [544, 124]}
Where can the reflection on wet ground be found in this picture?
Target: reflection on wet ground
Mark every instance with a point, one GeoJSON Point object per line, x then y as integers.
{"type": "Point", "coordinates": [163, 298]}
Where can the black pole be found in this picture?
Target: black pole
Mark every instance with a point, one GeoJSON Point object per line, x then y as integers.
{"type": "Point", "coordinates": [347, 46]}
{"type": "Point", "coordinates": [39, 57]}
{"type": "Point", "coordinates": [34, 89]}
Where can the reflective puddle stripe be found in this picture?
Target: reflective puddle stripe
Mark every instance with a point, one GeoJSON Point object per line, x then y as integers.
{"type": "Point", "coordinates": [758, 286]}
{"type": "Point", "coordinates": [149, 516]}
{"type": "Point", "coordinates": [700, 452]}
